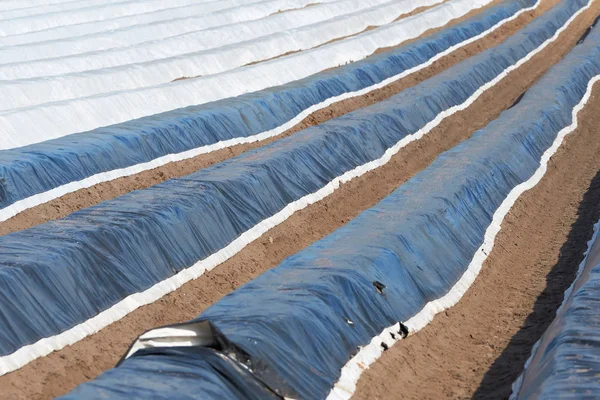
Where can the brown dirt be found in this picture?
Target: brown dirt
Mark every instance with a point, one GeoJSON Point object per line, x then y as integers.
{"type": "Point", "coordinates": [62, 370]}
{"type": "Point", "coordinates": [83, 198]}
{"type": "Point", "coordinates": [295, 9]}
{"type": "Point", "coordinates": [470, 14]}
{"type": "Point", "coordinates": [479, 347]}
{"type": "Point", "coordinates": [367, 29]}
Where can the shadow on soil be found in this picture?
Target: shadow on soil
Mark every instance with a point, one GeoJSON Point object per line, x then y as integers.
{"type": "Point", "coordinates": [497, 381]}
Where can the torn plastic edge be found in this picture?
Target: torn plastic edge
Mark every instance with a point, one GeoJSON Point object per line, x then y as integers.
{"type": "Point", "coordinates": [517, 101]}
{"type": "Point", "coordinates": [188, 334]}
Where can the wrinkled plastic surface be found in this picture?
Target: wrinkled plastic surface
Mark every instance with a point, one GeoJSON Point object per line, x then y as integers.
{"type": "Point", "coordinates": [30, 125]}
{"type": "Point", "coordinates": [56, 275]}
{"type": "Point", "coordinates": [38, 168]}
{"type": "Point", "coordinates": [93, 52]}
{"type": "Point", "coordinates": [565, 363]}
{"type": "Point", "coordinates": [72, 6]}
{"type": "Point", "coordinates": [59, 274]}
{"type": "Point", "coordinates": [290, 326]}
{"type": "Point", "coordinates": [192, 373]}
{"type": "Point", "coordinates": [160, 18]}
{"type": "Point", "coordinates": [201, 52]}
{"type": "Point", "coordinates": [15, 24]}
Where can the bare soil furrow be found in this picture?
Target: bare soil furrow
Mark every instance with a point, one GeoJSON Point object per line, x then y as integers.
{"type": "Point", "coordinates": [478, 348]}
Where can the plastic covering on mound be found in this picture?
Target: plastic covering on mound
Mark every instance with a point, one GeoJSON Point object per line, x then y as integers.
{"type": "Point", "coordinates": [14, 24]}
{"type": "Point", "coordinates": [566, 361]}
{"type": "Point", "coordinates": [42, 167]}
{"type": "Point", "coordinates": [81, 51]}
{"type": "Point", "coordinates": [115, 256]}
{"type": "Point", "coordinates": [48, 9]}
{"type": "Point", "coordinates": [295, 326]}
{"type": "Point", "coordinates": [31, 125]}
{"type": "Point", "coordinates": [198, 17]}
{"type": "Point", "coordinates": [200, 53]}
{"type": "Point", "coordinates": [221, 12]}
{"type": "Point", "coordinates": [183, 373]}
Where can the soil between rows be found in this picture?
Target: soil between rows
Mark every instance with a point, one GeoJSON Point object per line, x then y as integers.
{"type": "Point", "coordinates": [83, 198]}
{"type": "Point", "coordinates": [478, 348]}
{"type": "Point", "coordinates": [416, 11]}
{"type": "Point", "coordinates": [61, 371]}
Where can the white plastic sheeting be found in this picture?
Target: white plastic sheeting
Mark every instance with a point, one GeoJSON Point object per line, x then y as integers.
{"type": "Point", "coordinates": [351, 372]}
{"type": "Point", "coordinates": [198, 17]}
{"type": "Point", "coordinates": [76, 333]}
{"type": "Point", "coordinates": [46, 8]}
{"type": "Point", "coordinates": [100, 13]}
{"type": "Point", "coordinates": [6, 5]}
{"type": "Point", "coordinates": [31, 92]}
{"type": "Point", "coordinates": [33, 125]}
{"type": "Point", "coordinates": [155, 17]}
{"type": "Point", "coordinates": [82, 54]}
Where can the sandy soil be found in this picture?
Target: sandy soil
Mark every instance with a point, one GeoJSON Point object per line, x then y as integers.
{"type": "Point", "coordinates": [86, 197]}
{"type": "Point", "coordinates": [62, 370]}
{"type": "Point", "coordinates": [479, 347]}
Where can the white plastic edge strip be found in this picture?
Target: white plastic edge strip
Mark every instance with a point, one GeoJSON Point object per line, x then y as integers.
{"type": "Point", "coordinates": [516, 386]}
{"type": "Point", "coordinates": [351, 372]}
{"type": "Point", "coordinates": [52, 194]}
{"type": "Point", "coordinates": [47, 345]}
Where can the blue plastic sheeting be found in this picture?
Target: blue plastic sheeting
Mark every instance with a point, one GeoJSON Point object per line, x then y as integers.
{"type": "Point", "coordinates": [59, 274]}
{"type": "Point", "coordinates": [41, 167]}
{"type": "Point", "coordinates": [289, 326]}
{"type": "Point", "coordinates": [566, 361]}
{"type": "Point", "coordinates": [189, 373]}
{"type": "Point", "coordinates": [566, 364]}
